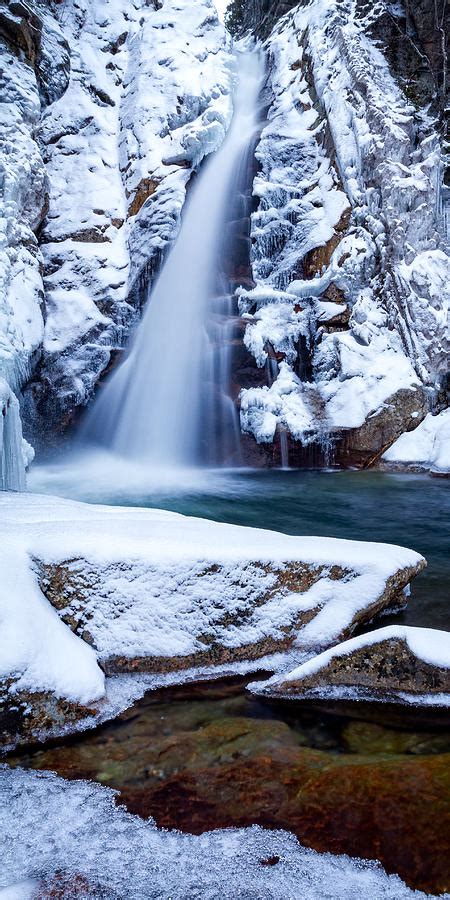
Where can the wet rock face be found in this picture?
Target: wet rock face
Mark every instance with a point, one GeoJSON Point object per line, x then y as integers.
{"type": "Point", "coordinates": [208, 757]}
{"type": "Point", "coordinates": [412, 35]}
{"type": "Point", "coordinates": [26, 715]}
{"type": "Point", "coordinates": [29, 42]}
{"type": "Point", "coordinates": [343, 280]}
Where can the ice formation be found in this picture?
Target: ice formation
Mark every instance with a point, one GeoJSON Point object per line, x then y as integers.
{"type": "Point", "coordinates": [61, 834]}
{"type": "Point", "coordinates": [15, 452]}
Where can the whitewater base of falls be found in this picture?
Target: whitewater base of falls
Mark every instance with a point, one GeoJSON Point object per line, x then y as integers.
{"type": "Point", "coordinates": [169, 403]}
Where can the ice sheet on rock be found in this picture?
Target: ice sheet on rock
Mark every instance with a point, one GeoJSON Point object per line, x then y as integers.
{"type": "Point", "coordinates": [158, 582]}
{"type": "Point", "coordinates": [50, 826]}
{"type": "Point", "coordinates": [427, 447]}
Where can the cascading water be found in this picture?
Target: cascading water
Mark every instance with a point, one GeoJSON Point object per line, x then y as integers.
{"type": "Point", "coordinates": [169, 403]}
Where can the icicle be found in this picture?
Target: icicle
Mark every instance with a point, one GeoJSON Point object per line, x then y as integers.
{"type": "Point", "coordinates": [12, 465]}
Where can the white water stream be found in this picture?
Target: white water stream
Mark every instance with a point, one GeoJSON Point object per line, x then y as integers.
{"type": "Point", "coordinates": [163, 404]}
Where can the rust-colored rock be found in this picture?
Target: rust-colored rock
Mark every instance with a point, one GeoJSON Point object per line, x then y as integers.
{"type": "Point", "coordinates": [145, 189]}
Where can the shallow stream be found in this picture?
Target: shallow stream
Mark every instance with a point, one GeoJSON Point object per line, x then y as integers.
{"type": "Point", "coordinates": [207, 756]}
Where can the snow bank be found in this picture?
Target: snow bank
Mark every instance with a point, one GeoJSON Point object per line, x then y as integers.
{"type": "Point", "coordinates": [37, 651]}
{"type": "Point", "coordinates": [150, 584]}
{"type": "Point", "coordinates": [427, 447]}
{"type": "Point", "coordinates": [50, 827]}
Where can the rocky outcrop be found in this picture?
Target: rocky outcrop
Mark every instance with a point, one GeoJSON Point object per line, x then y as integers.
{"type": "Point", "coordinates": [350, 296]}
{"type": "Point", "coordinates": [426, 448]}
{"type": "Point", "coordinates": [412, 35]}
{"type": "Point", "coordinates": [33, 72]}
{"type": "Point", "coordinates": [397, 664]}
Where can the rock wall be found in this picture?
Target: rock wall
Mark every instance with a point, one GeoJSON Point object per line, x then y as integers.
{"type": "Point", "coordinates": [349, 308]}
{"type": "Point", "coordinates": [109, 109]}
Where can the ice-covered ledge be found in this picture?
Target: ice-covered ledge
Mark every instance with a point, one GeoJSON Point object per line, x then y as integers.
{"type": "Point", "coordinates": [125, 590]}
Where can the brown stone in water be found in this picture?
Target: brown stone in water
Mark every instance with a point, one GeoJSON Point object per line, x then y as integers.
{"type": "Point", "coordinates": [25, 716]}
{"type": "Point", "coordinates": [383, 669]}
{"type": "Point", "coordinates": [396, 810]}
{"type": "Point", "coordinates": [196, 766]}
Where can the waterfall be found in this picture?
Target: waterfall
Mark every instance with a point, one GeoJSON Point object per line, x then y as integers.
{"type": "Point", "coordinates": [12, 465]}
{"type": "Point", "coordinates": [169, 402]}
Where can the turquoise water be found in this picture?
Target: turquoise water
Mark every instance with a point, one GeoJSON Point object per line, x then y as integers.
{"type": "Point", "coordinates": [410, 510]}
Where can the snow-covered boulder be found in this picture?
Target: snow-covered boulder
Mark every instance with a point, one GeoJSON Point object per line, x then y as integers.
{"type": "Point", "coordinates": [426, 448]}
{"type": "Point", "coordinates": [148, 591]}
{"type": "Point", "coordinates": [397, 664]}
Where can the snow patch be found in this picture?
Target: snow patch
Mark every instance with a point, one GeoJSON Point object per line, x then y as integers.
{"type": "Point", "coordinates": [427, 447]}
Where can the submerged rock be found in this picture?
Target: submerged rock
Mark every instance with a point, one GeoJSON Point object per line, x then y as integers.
{"type": "Point", "coordinates": [397, 664]}
{"type": "Point", "coordinates": [199, 760]}
{"type": "Point", "coordinates": [71, 836]}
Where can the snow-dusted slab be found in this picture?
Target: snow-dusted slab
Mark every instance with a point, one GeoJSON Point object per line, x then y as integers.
{"type": "Point", "coordinates": [64, 835]}
{"type": "Point", "coordinates": [427, 447]}
{"type": "Point", "coordinates": [396, 664]}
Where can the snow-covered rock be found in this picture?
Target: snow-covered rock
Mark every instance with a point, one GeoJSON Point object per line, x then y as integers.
{"type": "Point", "coordinates": [396, 664]}
{"type": "Point", "coordinates": [33, 72]}
{"type": "Point", "coordinates": [61, 835]}
{"type": "Point", "coordinates": [156, 592]}
{"type": "Point", "coordinates": [148, 98]}
{"type": "Point", "coordinates": [348, 215]}
{"type": "Point", "coordinates": [427, 447]}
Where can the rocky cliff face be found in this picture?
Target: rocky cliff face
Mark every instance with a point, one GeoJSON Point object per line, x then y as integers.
{"type": "Point", "coordinates": [349, 308]}
{"type": "Point", "coordinates": [109, 108]}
